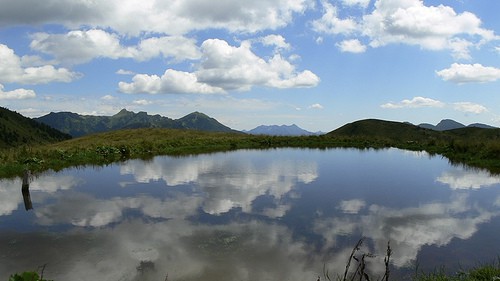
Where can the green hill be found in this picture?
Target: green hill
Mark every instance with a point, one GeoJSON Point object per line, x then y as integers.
{"type": "Point", "coordinates": [80, 125]}
{"type": "Point", "coordinates": [375, 129]}
{"type": "Point", "coordinates": [476, 133]}
{"type": "Point", "coordinates": [475, 146]}
{"type": "Point", "coordinates": [16, 130]}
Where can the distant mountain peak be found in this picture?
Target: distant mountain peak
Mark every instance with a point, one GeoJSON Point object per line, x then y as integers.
{"type": "Point", "coordinates": [123, 112]}
{"type": "Point", "coordinates": [449, 124]}
{"type": "Point", "coordinates": [279, 130]}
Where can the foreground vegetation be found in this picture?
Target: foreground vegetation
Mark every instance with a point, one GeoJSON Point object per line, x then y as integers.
{"type": "Point", "coordinates": [27, 276]}
{"type": "Point", "coordinates": [478, 148]}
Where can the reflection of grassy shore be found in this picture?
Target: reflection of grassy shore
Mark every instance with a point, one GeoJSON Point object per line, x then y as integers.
{"type": "Point", "coordinates": [114, 146]}
{"type": "Point", "coordinates": [490, 272]}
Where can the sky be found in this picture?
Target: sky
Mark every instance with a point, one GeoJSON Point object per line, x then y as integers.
{"type": "Point", "coordinates": [318, 64]}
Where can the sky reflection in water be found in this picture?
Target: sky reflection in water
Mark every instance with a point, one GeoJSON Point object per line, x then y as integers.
{"type": "Point", "coordinates": [249, 215]}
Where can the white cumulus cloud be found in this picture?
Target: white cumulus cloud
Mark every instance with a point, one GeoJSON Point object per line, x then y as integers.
{"type": "Point", "coordinates": [125, 72]}
{"type": "Point", "coordinates": [316, 106]}
{"type": "Point", "coordinates": [172, 81]}
{"type": "Point", "coordinates": [430, 27]}
{"type": "Point", "coordinates": [414, 103]}
{"type": "Point", "coordinates": [409, 22]}
{"type": "Point", "coordinates": [331, 23]}
{"type": "Point", "coordinates": [224, 68]}
{"type": "Point", "coordinates": [351, 46]}
{"type": "Point", "coordinates": [12, 70]}
{"type": "Point", "coordinates": [470, 107]}
{"type": "Point", "coordinates": [469, 73]}
{"type": "Point", "coordinates": [275, 40]}
{"type": "Point", "coordinates": [81, 46]}
{"type": "Point", "coordinates": [108, 97]}
{"type": "Point", "coordinates": [142, 102]}
{"type": "Point", "coordinates": [17, 94]}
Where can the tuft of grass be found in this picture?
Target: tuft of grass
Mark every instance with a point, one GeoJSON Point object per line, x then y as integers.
{"type": "Point", "coordinates": [29, 275]}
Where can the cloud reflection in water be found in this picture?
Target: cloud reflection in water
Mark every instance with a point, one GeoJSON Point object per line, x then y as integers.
{"type": "Point", "coordinates": [107, 235]}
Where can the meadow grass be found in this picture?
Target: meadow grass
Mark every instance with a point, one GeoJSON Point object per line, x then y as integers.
{"type": "Point", "coordinates": [109, 147]}
{"type": "Point", "coordinates": [105, 148]}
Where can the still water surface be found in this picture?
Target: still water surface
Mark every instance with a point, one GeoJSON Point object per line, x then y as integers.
{"type": "Point", "coordinates": [249, 215]}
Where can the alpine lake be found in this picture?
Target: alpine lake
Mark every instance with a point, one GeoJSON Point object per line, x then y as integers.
{"type": "Point", "coordinates": [278, 214]}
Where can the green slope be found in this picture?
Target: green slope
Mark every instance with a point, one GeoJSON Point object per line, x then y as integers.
{"type": "Point", "coordinates": [385, 130]}
{"type": "Point", "coordinates": [16, 130]}
{"type": "Point", "coordinates": [404, 132]}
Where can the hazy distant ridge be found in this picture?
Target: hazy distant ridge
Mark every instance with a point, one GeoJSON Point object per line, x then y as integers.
{"type": "Point", "coordinates": [283, 130]}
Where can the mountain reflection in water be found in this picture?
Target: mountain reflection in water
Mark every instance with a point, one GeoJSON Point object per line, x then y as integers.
{"type": "Point", "coordinates": [249, 215]}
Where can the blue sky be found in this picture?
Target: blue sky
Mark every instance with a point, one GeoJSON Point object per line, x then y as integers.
{"type": "Point", "coordinates": [315, 63]}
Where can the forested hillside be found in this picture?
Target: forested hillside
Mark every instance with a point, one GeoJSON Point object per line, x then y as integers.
{"type": "Point", "coordinates": [16, 130]}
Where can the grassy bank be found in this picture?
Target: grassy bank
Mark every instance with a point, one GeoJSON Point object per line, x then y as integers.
{"type": "Point", "coordinates": [105, 148]}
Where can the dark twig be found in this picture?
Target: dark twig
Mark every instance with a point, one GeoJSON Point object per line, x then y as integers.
{"type": "Point", "coordinates": [354, 250]}
{"type": "Point", "coordinates": [41, 272]}
{"type": "Point", "coordinates": [362, 272]}
{"type": "Point", "coordinates": [386, 262]}
{"type": "Point", "coordinates": [357, 268]}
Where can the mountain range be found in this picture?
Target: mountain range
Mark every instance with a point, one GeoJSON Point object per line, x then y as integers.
{"type": "Point", "coordinates": [283, 130]}
{"type": "Point", "coordinates": [78, 125]}
{"type": "Point", "coordinates": [16, 130]}
{"type": "Point", "coordinates": [448, 124]}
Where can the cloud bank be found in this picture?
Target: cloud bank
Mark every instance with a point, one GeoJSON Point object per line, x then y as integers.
{"type": "Point", "coordinates": [76, 47]}
{"type": "Point", "coordinates": [225, 68]}
{"type": "Point", "coordinates": [408, 22]}
{"type": "Point", "coordinates": [420, 102]}
{"type": "Point", "coordinates": [134, 17]}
